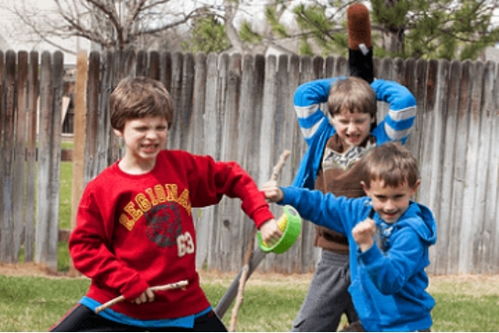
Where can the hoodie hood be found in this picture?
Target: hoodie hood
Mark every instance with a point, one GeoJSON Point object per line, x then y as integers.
{"type": "Point", "coordinates": [421, 219]}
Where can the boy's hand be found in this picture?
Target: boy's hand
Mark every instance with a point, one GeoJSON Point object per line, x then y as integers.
{"type": "Point", "coordinates": [270, 232]}
{"type": "Point", "coordinates": [271, 191]}
{"type": "Point", "coordinates": [363, 234]}
{"type": "Point", "coordinates": [146, 296]}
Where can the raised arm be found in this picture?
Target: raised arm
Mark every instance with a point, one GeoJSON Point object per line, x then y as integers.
{"type": "Point", "coordinates": [308, 97]}
{"type": "Point", "coordinates": [401, 114]}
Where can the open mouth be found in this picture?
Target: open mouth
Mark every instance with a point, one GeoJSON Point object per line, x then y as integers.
{"type": "Point", "coordinates": [149, 148]}
{"type": "Point", "coordinates": [353, 138]}
{"type": "Point", "coordinates": [390, 215]}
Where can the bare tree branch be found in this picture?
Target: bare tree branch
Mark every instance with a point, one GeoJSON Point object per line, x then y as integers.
{"type": "Point", "coordinates": [112, 24]}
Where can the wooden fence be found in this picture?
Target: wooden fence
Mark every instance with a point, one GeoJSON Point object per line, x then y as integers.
{"type": "Point", "coordinates": [240, 108]}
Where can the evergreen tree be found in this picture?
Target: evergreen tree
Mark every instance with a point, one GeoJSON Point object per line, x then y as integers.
{"type": "Point", "coordinates": [207, 35]}
{"type": "Point", "coordinates": [427, 29]}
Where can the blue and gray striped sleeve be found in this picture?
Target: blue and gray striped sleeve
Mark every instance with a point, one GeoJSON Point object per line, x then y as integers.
{"type": "Point", "coordinates": [307, 102]}
{"type": "Point", "coordinates": [402, 108]}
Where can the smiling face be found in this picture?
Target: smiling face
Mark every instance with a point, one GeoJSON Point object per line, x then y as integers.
{"type": "Point", "coordinates": [390, 202]}
{"type": "Point", "coordinates": [352, 127]}
{"type": "Point", "coordinates": [144, 138]}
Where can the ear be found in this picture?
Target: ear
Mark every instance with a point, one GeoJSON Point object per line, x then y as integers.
{"type": "Point", "coordinates": [118, 133]}
{"type": "Point", "coordinates": [364, 186]}
{"type": "Point", "coordinates": [416, 186]}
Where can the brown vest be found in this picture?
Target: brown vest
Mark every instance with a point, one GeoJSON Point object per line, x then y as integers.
{"type": "Point", "coordinates": [341, 182]}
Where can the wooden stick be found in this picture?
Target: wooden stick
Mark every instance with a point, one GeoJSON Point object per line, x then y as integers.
{"type": "Point", "coordinates": [242, 282]}
{"type": "Point", "coordinates": [280, 164]}
{"type": "Point", "coordinates": [249, 250]}
{"type": "Point", "coordinates": [175, 285]}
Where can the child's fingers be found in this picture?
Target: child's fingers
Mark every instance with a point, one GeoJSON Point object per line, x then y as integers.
{"type": "Point", "coordinates": [150, 295]}
{"type": "Point", "coordinates": [270, 184]}
{"type": "Point", "coordinates": [141, 299]}
{"type": "Point", "coordinates": [364, 231]}
{"type": "Point", "coordinates": [146, 296]}
{"type": "Point", "coordinates": [272, 194]}
{"type": "Point", "coordinates": [270, 231]}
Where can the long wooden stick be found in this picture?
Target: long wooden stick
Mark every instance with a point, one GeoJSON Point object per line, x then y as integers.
{"type": "Point", "coordinates": [280, 164]}
{"type": "Point", "coordinates": [242, 282]}
{"type": "Point", "coordinates": [175, 285]}
{"type": "Point", "coordinates": [245, 272]}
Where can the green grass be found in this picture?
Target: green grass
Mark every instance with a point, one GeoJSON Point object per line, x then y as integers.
{"type": "Point", "coordinates": [66, 174]}
{"type": "Point", "coordinates": [35, 303]}
{"type": "Point", "coordinates": [270, 302]}
{"type": "Point", "coordinates": [67, 144]}
{"type": "Point", "coordinates": [466, 313]}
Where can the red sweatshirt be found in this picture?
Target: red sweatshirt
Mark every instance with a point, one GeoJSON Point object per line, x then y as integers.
{"type": "Point", "coordinates": [137, 231]}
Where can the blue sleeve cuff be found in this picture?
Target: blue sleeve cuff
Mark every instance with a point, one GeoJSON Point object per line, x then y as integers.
{"type": "Point", "coordinates": [371, 255]}
{"type": "Point", "coordinates": [286, 196]}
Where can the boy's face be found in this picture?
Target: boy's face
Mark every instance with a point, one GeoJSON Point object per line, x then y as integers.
{"type": "Point", "coordinates": [144, 138]}
{"type": "Point", "coordinates": [352, 128]}
{"type": "Point", "coordinates": [390, 202]}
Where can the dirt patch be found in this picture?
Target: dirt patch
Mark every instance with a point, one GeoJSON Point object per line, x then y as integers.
{"type": "Point", "coordinates": [257, 278]}
{"type": "Point", "coordinates": [465, 283]}
{"type": "Point", "coordinates": [30, 269]}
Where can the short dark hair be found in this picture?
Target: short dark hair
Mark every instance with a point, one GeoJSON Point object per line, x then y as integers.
{"type": "Point", "coordinates": [391, 163]}
{"type": "Point", "coordinates": [139, 97]}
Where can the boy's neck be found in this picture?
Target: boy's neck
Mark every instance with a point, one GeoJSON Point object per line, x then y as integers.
{"type": "Point", "coordinates": [135, 167]}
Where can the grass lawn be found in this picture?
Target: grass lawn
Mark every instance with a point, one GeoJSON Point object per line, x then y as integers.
{"type": "Point", "coordinates": [34, 303]}
{"type": "Point", "coordinates": [66, 172]}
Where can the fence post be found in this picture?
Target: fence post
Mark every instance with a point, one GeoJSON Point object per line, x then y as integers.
{"type": "Point", "coordinates": [32, 120]}
{"type": "Point", "coordinates": [8, 122]}
{"type": "Point", "coordinates": [49, 159]}
{"type": "Point", "coordinates": [80, 113]}
{"type": "Point", "coordinates": [19, 171]}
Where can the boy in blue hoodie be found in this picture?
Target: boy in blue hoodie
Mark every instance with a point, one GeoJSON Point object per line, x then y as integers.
{"type": "Point", "coordinates": [388, 234]}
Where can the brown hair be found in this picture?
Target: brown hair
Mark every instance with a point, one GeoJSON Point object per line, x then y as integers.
{"type": "Point", "coordinates": [352, 94]}
{"type": "Point", "coordinates": [391, 163]}
{"type": "Point", "coordinates": [139, 97]}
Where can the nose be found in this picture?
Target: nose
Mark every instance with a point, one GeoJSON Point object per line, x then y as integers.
{"type": "Point", "coordinates": [351, 128]}
{"type": "Point", "coordinates": [390, 206]}
{"type": "Point", "coordinates": [151, 134]}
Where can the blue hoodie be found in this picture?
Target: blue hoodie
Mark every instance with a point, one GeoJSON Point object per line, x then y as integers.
{"type": "Point", "coordinates": [388, 282]}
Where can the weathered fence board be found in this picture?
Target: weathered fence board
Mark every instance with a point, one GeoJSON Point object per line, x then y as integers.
{"type": "Point", "coordinates": [49, 156]}
{"type": "Point", "coordinates": [19, 159]}
{"type": "Point", "coordinates": [240, 108]}
{"type": "Point", "coordinates": [487, 183]}
{"type": "Point", "coordinates": [32, 123]}
{"type": "Point", "coordinates": [8, 234]}
{"type": "Point", "coordinates": [80, 125]}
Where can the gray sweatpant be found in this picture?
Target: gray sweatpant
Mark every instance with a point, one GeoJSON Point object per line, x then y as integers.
{"type": "Point", "coordinates": [327, 297]}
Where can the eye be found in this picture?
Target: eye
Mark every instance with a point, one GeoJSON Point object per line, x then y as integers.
{"type": "Point", "coordinates": [161, 128]}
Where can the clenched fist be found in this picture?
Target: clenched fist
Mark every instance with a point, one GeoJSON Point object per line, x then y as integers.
{"type": "Point", "coordinates": [363, 234]}
{"type": "Point", "coordinates": [271, 191]}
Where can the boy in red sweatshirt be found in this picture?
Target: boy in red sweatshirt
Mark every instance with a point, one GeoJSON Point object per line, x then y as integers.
{"type": "Point", "coordinates": [135, 227]}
